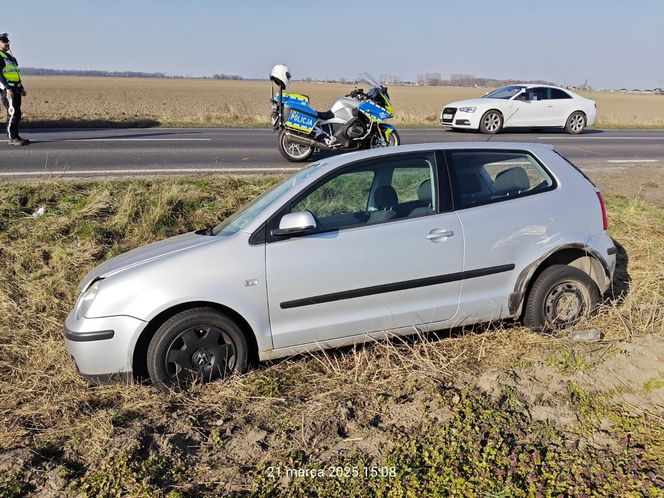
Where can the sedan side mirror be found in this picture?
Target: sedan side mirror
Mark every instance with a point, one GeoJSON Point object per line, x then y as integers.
{"type": "Point", "coordinates": [295, 224]}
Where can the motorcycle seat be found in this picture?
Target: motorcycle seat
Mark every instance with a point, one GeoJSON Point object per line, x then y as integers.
{"type": "Point", "coordinates": [324, 116]}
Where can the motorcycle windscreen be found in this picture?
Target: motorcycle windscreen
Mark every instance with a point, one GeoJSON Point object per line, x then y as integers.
{"type": "Point", "coordinates": [374, 111]}
{"type": "Point", "coordinates": [300, 117]}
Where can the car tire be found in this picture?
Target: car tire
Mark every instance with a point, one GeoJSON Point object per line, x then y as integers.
{"type": "Point", "coordinates": [491, 122]}
{"type": "Point", "coordinates": [560, 296]}
{"type": "Point", "coordinates": [196, 345]}
{"type": "Point", "coordinates": [576, 123]}
{"type": "Point", "coordinates": [295, 153]}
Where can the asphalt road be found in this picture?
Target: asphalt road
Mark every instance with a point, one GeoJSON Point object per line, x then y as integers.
{"type": "Point", "coordinates": [69, 153]}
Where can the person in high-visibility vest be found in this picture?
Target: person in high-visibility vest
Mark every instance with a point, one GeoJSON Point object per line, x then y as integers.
{"type": "Point", "coordinates": [12, 91]}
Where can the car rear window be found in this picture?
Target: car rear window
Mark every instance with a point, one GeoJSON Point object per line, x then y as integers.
{"type": "Point", "coordinates": [482, 177]}
{"type": "Point", "coordinates": [559, 94]}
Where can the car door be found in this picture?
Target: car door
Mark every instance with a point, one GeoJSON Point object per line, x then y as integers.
{"type": "Point", "coordinates": [535, 108]}
{"type": "Point", "coordinates": [561, 106]}
{"type": "Point", "coordinates": [384, 255]}
{"type": "Point", "coordinates": [506, 204]}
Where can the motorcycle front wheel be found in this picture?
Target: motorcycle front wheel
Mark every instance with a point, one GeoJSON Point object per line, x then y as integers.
{"type": "Point", "coordinates": [292, 151]}
{"type": "Point", "coordinates": [377, 140]}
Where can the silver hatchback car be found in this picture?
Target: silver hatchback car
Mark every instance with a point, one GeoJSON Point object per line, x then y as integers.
{"type": "Point", "coordinates": [353, 247]}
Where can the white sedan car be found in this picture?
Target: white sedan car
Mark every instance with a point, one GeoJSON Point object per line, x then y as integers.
{"type": "Point", "coordinates": [522, 106]}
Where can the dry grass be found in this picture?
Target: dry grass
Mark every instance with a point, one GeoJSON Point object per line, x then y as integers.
{"type": "Point", "coordinates": [384, 404]}
{"type": "Point", "coordinates": [69, 101]}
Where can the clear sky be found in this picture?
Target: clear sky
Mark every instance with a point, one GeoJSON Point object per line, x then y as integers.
{"type": "Point", "coordinates": [612, 43]}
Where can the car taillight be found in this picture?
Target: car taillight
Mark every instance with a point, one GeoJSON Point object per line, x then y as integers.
{"type": "Point", "coordinates": [605, 220]}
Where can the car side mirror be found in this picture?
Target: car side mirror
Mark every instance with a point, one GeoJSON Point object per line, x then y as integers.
{"type": "Point", "coordinates": [295, 224]}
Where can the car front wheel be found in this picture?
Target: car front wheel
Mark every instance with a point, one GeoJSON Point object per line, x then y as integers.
{"type": "Point", "coordinates": [196, 345]}
{"type": "Point", "coordinates": [491, 122]}
{"type": "Point", "coordinates": [560, 296]}
{"type": "Point", "coordinates": [576, 123]}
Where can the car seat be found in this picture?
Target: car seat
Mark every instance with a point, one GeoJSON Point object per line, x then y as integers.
{"type": "Point", "coordinates": [425, 200]}
{"type": "Point", "coordinates": [512, 181]}
{"type": "Point", "coordinates": [385, 200]}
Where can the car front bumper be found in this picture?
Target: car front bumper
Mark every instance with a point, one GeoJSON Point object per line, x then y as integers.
{"type": "Point", "coordinates": [458, 119]}
{"type": "Point", "coordinates": [102, 348]}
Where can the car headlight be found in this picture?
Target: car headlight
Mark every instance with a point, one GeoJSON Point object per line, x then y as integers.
{"type": "Point", "coordinates": [467, 109]}
{"type": "Point", "coordinates": [86, 299]}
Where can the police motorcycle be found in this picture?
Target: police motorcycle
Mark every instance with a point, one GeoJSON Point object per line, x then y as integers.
{"type": "Point", "coordinates": [355, 121]}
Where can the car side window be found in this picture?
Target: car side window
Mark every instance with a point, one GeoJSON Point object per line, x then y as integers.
{"type": "Point", "coordinates": [483, 177]}
{"type": "Point", "coordinates": [374, 191]}
{"type": "Point", "coordinates": [414, 185]}
{"type": "Point", "coordinates": [341, 201]}
{"type": "Point", "coordinates": [559, 94]}
{"type": "Point", "coordinates": [539, 93]}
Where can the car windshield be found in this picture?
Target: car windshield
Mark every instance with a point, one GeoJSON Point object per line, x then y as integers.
{"type": "Point", "coordinates": [506, 92]}
{"type": "Point", "coordinates": [244, 216]}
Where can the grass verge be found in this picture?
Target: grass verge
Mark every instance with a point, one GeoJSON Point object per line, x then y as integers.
{"type": "Point", "coordinates": [496, 411]}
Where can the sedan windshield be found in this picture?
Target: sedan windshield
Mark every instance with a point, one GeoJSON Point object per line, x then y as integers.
{"type": "Point", "coordinates": [506, 92]}
{"type": "Point", "coordinates": [244, 216]}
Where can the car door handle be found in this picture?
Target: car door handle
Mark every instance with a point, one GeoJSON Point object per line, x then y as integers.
{"type": "Point", "coordinates": [550, 105]}
{"type": "Point", "coordinates": [439, 233]}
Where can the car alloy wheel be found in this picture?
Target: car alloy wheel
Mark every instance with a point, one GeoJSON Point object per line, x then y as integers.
{"type": "Point", "coordinates": [491, 122]}
{"type": "Point", "coordinates": [576, 123]}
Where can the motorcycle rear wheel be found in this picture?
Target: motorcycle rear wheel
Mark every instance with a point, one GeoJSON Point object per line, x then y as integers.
{"type": "Point", "coordinates": [295, 153]}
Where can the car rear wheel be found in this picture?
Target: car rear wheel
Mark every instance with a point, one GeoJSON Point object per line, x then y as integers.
{"type": "Point", "coordinates": [491, 122]}
{"type": "Point", "coordinates": [293, 151]}
{"type": "Point", "coordinates": [576, 123]}
{"type": "Point", "coordinates": [560, 296]}
{"type": "Point", "coordinates": [196, 345]}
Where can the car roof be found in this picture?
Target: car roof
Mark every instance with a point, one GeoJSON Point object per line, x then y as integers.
{"type": "Point", "coordinates": [336, 161]}
{"type": "Point", "coordinates": [534, 85]}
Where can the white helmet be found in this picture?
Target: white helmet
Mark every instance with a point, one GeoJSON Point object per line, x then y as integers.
{"type": "Point", "coordinates": [281, 75]}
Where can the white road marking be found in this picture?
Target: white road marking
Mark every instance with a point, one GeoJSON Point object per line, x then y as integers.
{"type": "Point", "coordinates": [131, 140]}
{"type": "Point", "coordinates": [632, 160]}
{"type": "Point", "coordinates": [145, 171]}
{"type": "Point", "coordinates": [600, 138]}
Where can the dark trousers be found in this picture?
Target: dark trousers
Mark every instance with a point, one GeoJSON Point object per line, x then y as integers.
{"type": "Point", "coordinates": [13, 107]}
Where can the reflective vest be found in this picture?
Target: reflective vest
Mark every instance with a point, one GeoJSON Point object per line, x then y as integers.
{"type": "Point", "coordinates": [10, 71]}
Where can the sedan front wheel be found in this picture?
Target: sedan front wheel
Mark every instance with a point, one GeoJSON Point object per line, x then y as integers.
{"type": "Point", "coordinates": [491, 122]}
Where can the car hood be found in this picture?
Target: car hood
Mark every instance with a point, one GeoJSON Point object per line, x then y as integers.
{"type": "Point", "coordinates": [473, 102]}
{"type": "Point", "coordinates": [141, 255]}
